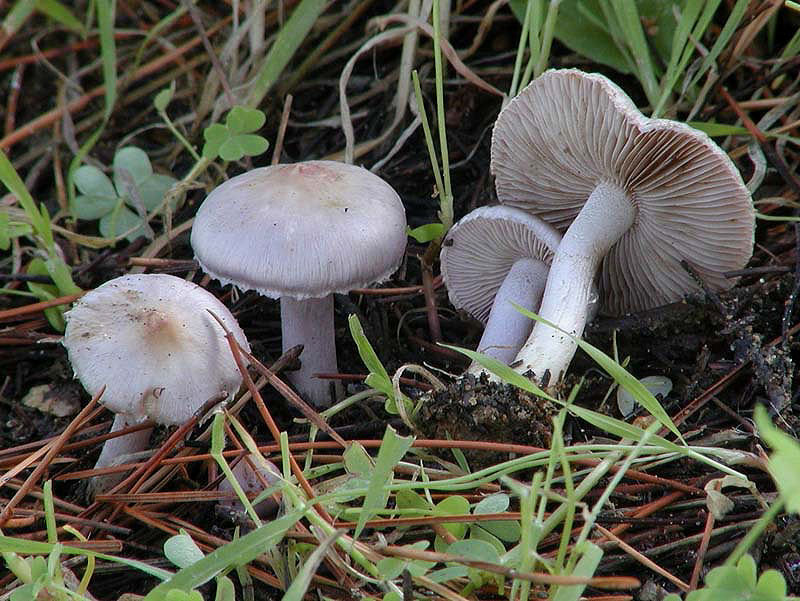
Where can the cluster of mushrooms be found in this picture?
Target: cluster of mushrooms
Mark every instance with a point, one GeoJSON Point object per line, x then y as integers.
{"type": "Point", "coordinates": [299, 232]}
{"type": "Point", "coordinates": [599, 208]}
{"type": "Point", "coordinates": [636, 201]}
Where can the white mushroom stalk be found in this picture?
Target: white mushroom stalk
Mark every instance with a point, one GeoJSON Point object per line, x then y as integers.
{"type": "Point", "coordinates": [507, 328]}
{"type": "Point", "coordinates": [150, 341]}
{"type": "Point", "coordinates": [606, 216]}
{"type": "Point", "coordinates": [301, 233]}
{"type": "Point", "coordinates": [116, 449]}
{"type": "Point", "coordinates": [493, 258]}
{"type": "Point", "coordinates": [310, 322]}
{"type": "Point", "coordinates": [636, 196]}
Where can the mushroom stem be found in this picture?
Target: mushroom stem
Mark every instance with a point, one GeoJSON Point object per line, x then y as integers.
{"type": "Point", "coordinates": [310, 322]}
{"type": "Point", "coordinates": [506, 329]}
{"type": "Point", "coordinates": [114, 448]}
{"type": "Point", "coordinates": [607, 215]}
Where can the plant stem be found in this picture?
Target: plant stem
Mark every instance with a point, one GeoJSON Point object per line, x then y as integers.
{"type": "Point", "coordinates": [446, 195]}
{"type": "Point", "coordinates": [179, 135]}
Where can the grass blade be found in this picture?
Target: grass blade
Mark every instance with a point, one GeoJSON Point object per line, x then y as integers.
{"type": "Point", "coordinates": [634, 387]}
{"type": "Point", "coordinates": [32, 547]}
{"type": "Point", "coordinates": [392, 450]}
{"type": "Point", "coordinates": [289, 39]}
{"type": "Point", "coordinates": [237, 552]}
{"type": "Point", "coordinates": [585, 568]}
{"type": "Point", "coordinates": [60, 13]}
{"type": "Point", "coordinates": [108, 53]}
{"type": "Point", "coordinates": [301, 582]}
{"type": "Point", "coordinates": [15, 18]}
{"type": "Point", "coordinates": [630, 22]}
{"type": "Point", "coordinates": [730, 27]}
{"type": "Point", "coordinates": [378, 376]}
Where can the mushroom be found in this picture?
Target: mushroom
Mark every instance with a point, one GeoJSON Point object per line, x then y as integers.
{"type": "Point", "coordinates": [493, 257]}
{"type": "Point", "coordinates": [253, 478]}
{"type": "Point", "coordinates": [150, 340]}
{"type": "Point", "coordinates": [302, 232]}
{"type": "Point", "coordinates": [636, 196]}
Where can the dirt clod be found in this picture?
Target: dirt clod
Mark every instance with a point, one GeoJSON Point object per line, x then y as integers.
{"type": "Point", "coordinates": [476, 408]}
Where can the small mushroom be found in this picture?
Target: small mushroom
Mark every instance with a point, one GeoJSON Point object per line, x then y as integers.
{"type": "Point", "coordinates": [636, 196]}
{"type": "Point", "coordinates": [151, 341]}
{"type": "Point", "coordinates": [493, 257]}
{"type": "Point", "coordinates": [253, 480]}
{"type": "Point", "coordinates": [302, 232]}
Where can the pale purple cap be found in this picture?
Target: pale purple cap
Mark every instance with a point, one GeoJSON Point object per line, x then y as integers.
{"type": "Point", "coordinates": [303, 230]}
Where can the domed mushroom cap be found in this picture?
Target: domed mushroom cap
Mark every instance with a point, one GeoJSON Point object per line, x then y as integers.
{"type": "Point", "coordinates": [569, 131]}
{"type": "Point", "coordinates": [481, 248]}
{"type": "Point", "coordinates": [151, 341]}
{"type": "Point", "coordinates": [302, 230]}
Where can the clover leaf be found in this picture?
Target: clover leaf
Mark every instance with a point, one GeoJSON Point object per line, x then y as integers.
{"type": "Point", "coordinates": [235, 139]}
{"type": "Point", "coordinates": [783, 461]}
{"type": "Point", "coordinates": [738, 583]}
{"type": "Point", "coordinates": [121, 205]}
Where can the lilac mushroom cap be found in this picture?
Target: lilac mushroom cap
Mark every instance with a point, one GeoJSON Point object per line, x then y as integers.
{"type": "Point", "coordinates": [253, 479]}
{"type": "Point", "coordinates": [151, 341]}
{"type": "Point", "coordinates": [635, 195]}
{"type": "Point", "coordinates": [302, 232]}
{"type": "Point", "coordinates": [492, 257]}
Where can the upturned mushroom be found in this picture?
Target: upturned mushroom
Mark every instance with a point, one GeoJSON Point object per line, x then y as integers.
{"type": "Point", "coordinates": [493, 257]}
{"type": "Point", "coordinates": [151, 341]}
{"type": "Point", "coordinates": [636, 196]}
{"type": "Point", "coordinates": [302, 232]}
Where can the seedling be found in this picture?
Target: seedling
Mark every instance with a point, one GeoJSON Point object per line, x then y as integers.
{"type": "Point", "coordinates": [636, 37]}
{"type": "Point", "coordinates": [783, 460]}
{"type": "Point", "coordinates": [45, 292]}
{"type": "Point", "coordinates": [121, 206]}
{"type": "Point", "coordinates": [39, 231]}
{"type": "Point", "coordinates": [182, 551]}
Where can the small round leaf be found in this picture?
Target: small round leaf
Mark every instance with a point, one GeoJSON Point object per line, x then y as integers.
{"type": "Point", "coordinates": [164, 97]}
{"type": "Point", "coordinates": [134, 161]}
{"type": "Point", "coordinates": [182, 550]}
{"type": "Point", "coordinates": [119, 222]}
{"type": "Point", "coordinates": [495, 503]}
{"type": "Point", "coordinates": [90, 207]}
{"type": "Point", "coordinates": [90, 180]}
{"type": "Point", "coordinates": [242, 120]}
{"type": "Point", "coordinates": [453, 505]}
{"type": "Point", "coordinates": [216, 132]}
{"type": "Point", "coordinates": [231, 150]}
{"type": "Point", "coordinates": [477, 550]}
{"type": "Point", "coordinates": [153, 189]}
{"type": "Point", "coordinates": [252, 145]}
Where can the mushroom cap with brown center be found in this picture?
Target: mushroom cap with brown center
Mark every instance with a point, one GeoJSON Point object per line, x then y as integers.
{"type": "Point", "coordinates": [151, 341]}
{"type": "Point", "coordinates": [569, 131]}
